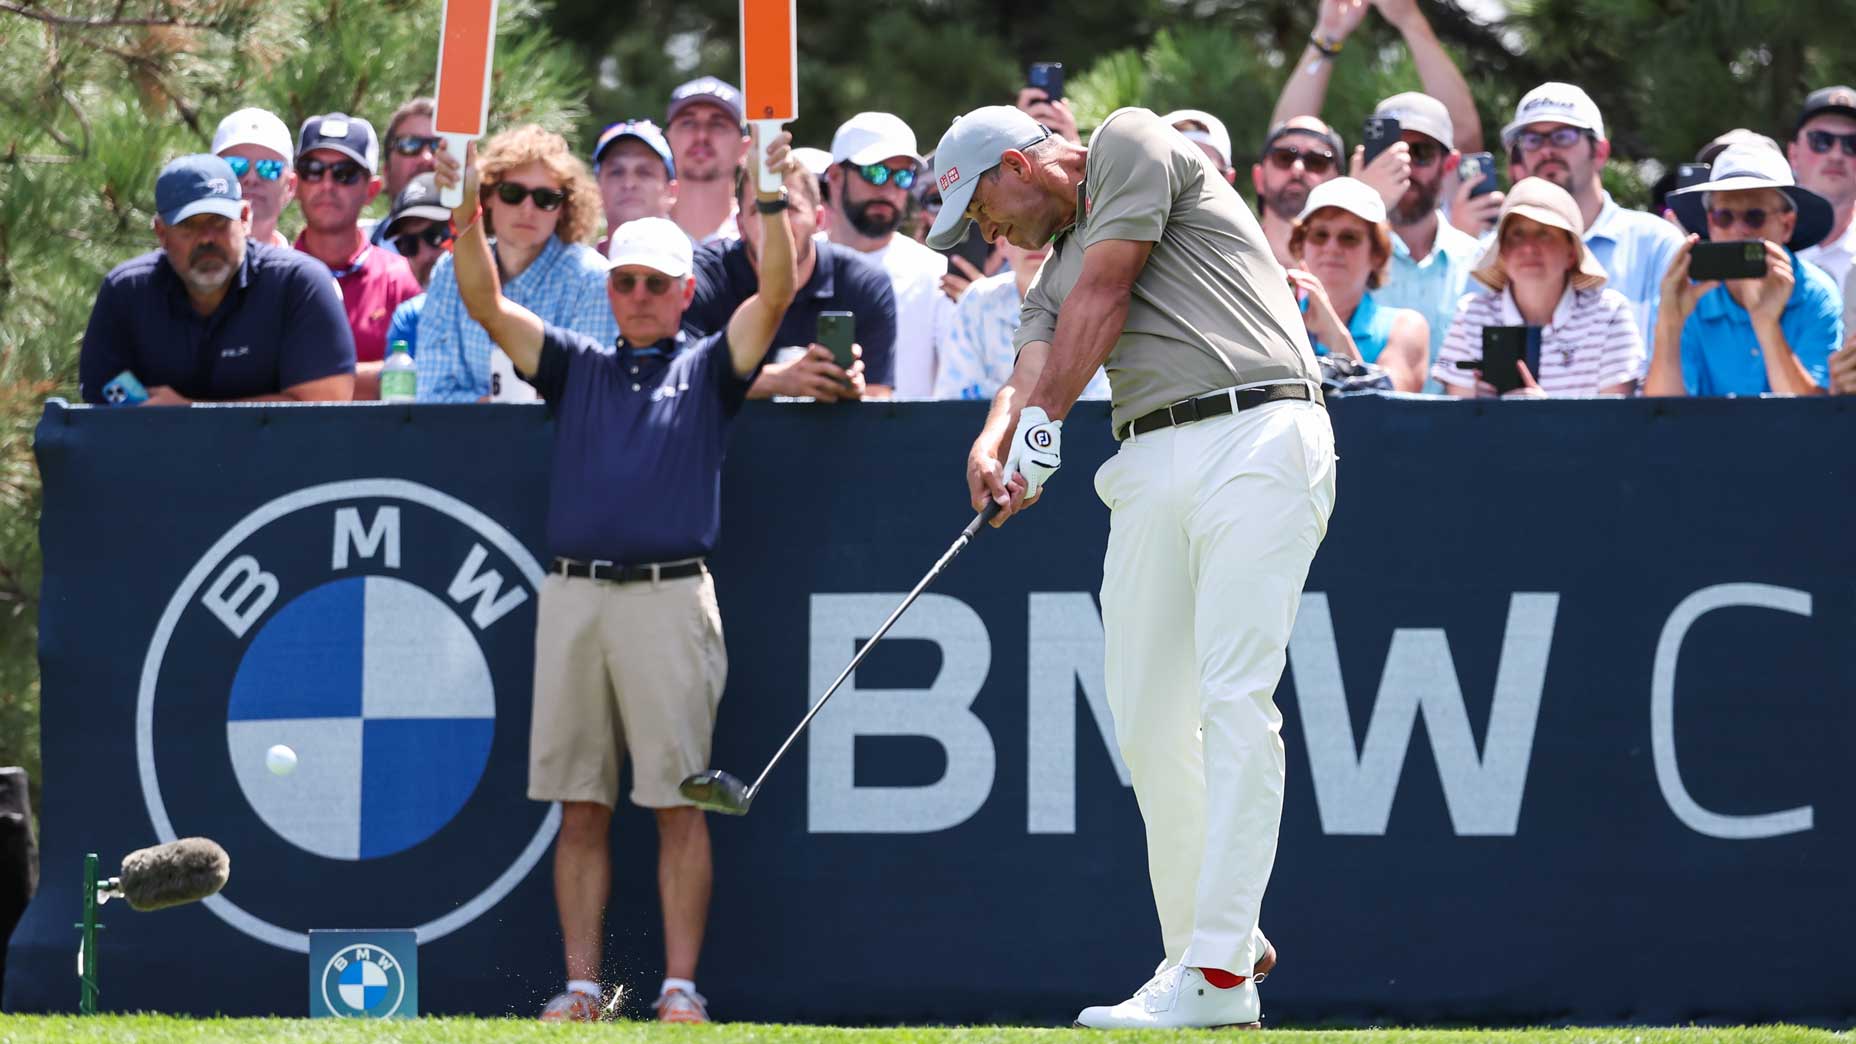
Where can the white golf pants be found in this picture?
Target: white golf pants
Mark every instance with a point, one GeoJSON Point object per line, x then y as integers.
{"type": "Point", "coordinates": [1212, 528]}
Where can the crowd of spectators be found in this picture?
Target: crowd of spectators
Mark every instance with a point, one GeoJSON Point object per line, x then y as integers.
{"type": "Point", "coordinates": [1398, 262]}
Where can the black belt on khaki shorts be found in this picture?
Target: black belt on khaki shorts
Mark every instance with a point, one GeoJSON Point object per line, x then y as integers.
{"type": "Point", "coordinates": [1217, 404]}
{"type": "Point", "coordinates": [620, 573]}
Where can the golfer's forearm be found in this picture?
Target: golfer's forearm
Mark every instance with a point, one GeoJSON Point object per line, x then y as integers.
{"type": "Point", "coordinates": [1087, 329]}
{"type": "Point", "coordinates": [1003, 417]}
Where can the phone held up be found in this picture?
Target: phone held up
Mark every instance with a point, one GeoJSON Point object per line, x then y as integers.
{"type": "Point", "coordinates": [1377, 136]}
{"type": "Point", "coordinates": [1478, 167]}
{"type": "Point", "coordinates": [1046, 77]}
{"type": "Point", "coordinates": [1736, 259]}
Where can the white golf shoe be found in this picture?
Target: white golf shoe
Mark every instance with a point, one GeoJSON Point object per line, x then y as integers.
{"type": "Point", "coordinates": [1179, 998]}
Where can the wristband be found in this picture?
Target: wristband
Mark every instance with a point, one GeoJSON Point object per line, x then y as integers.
{"type": "Point", "coordinates": [771, 206]}
{"type": "Point", "coordinates": [1328, 48]}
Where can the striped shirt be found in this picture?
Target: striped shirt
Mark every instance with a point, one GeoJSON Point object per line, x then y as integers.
{"type": "Point", "coordinates": [977, 356]}
{"type": "Point", "coordinates": [1591, 343]}
{"type": "Point", "coordinates": [565, 285]}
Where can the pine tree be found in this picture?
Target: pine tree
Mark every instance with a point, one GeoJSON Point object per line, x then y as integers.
{"type": "Point", "coordinates": [95, 96]}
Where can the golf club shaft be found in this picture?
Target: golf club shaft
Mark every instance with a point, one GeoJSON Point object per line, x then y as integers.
{"type": "Point", "coordinates": [966, 536]}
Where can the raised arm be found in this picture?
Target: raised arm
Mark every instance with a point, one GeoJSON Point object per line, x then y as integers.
{"type": "Point", "coordinates": [1307, 87]}
{"type": "Point", "coordinates": [751, 329]}
{"type": "Point", "coordinates": [515, 329]}
{"type": "Point", "coordinates": [1441, 78]}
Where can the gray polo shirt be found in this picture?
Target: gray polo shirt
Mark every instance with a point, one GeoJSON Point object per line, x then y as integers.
{"type": "Point", "coordinates": [1211, 309]}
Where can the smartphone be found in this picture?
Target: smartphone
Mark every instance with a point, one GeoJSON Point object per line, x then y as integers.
{"type": "Point", "coordinates": [1378, 135]}
{"type": "Point", "coordinates": [1738, 259]}
{"type": "Point", "coordinates": [125, 389]}
{"type": "Point", "coordinates": [1047, 77]}
{"type": "Point", "coordinates": [837, 331]}
{"type": "Point", "coordinates": [1502, 348]}
{"type": "Point", "coordinates": [1478, 167]}
{"type": "Point", "coordinates": [1689, 175]}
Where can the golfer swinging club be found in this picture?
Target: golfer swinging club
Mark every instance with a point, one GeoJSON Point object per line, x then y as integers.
{"type": "Point", "coordinates": [1218, 497]}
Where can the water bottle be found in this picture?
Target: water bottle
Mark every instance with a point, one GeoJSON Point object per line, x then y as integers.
{"type": "Point", "coordinates": [399, 377]}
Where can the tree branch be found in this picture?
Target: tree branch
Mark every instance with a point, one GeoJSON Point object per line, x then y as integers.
{"type": "Point", "coordinates": [101, 23]}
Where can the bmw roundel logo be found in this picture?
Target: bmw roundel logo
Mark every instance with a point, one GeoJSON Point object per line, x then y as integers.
{"type": "Point", "coordinates": [363, 982]}
{"type": "Point", "coordinates": [384, 632]}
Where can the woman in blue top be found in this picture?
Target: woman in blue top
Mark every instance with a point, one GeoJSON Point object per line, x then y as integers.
{"type": "Point", "coordinates": [1342, 246]}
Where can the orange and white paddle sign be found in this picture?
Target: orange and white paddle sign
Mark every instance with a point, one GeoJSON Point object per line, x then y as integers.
{"type": "Point", "coordinates": [466, 48]}
{"type": "Point", "coordinates": [769, 71]}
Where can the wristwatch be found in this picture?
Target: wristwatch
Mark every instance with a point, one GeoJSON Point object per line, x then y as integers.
{"type": "Point", "coordinates": [771, 206]}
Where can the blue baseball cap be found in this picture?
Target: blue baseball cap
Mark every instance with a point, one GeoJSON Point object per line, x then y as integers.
{"type": "Point", "coordinates": [705, 90]}
{"type": "Point", "coordinates": [351, 136]}
{"type": "Point", "coordinates": [197, 184]}
{"type": "Point", "coordinates": [970, 148]}
{"type": "Point", "coordinates": [643, 130]}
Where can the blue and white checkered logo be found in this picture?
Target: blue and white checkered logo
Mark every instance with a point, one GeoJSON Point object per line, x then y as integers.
{"type": "Point", "coordinates": [363, 982]}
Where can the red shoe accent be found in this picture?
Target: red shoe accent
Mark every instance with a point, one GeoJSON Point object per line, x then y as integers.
{"type": "Point", "coordinates": [1220, 978]}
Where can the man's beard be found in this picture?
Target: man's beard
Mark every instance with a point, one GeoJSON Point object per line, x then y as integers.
{"type": "Point", "coordinates": [205, 282]}
{"type": "Point", "coordinates": [871, 227]}
{"type": "Point", "coordinates": [1419, 201]}
{"type": "Point", "coordinates": [1288, 201]}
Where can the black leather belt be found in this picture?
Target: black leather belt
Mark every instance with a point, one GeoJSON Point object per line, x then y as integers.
{"type": "Point", "coordinates": [1217, 404]}
{"type": "Point", "coordinates": [619, 573]}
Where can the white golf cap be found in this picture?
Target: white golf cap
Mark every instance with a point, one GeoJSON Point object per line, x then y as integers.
{"type": "Point", "coordinates": [1349, 194]}
{"type": "Point", "coordinates": [817, 161]}
{"type": "Point", "coordinates": [1747, 167]}
{"type": "Point", "coordinates": [970, 148]}
{"type": "Point", "coordinates": [872, 137]}
{"type": "Point", "coordinates": [1555, 102]}
{"type": "Point", "coordinates": [1213, 135]}
{"type": "Point", "coordinates": [259, 127]}
{"type": "Point", "coordinates": [653, 242]}
{"type": "Point", "coordinates": [1417, 111]}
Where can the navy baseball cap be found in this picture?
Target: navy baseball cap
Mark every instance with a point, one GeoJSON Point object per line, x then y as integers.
{"type": "Point", "coordinates": [197, 184]}
{"type": "Point", "coordinates": [643, 130]}
{"type": "Point", "coordinates": [351, 136]}
{"type": "Point", "coordinates": [705, 89]}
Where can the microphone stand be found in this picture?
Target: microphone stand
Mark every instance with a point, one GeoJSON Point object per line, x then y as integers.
{"type": "Point", "coordinates": [87, 948]}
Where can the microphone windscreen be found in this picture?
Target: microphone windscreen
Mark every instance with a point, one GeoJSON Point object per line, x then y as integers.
{"type": "Point", "coordinates": [173, 874]}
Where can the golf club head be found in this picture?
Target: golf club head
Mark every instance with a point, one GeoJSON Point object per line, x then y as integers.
{"type": "Point", "coordinates": [717, 791]}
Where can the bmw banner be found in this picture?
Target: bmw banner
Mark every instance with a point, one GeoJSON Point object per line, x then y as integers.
{"type": "Point", "coordinates": [1569, 692]}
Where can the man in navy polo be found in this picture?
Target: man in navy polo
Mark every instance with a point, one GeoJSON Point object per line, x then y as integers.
{"type": "Point", "coordinates": [831, 278]}
{"type": "Point", "coordinates": [212, 316]}
{"type": "Point", "coordinates": [628, 640]}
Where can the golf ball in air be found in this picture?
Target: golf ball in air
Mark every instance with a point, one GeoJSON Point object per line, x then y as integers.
{"type": "Point", "coordinates": [281, 760]}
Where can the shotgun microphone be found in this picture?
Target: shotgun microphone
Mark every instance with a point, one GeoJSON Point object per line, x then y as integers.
{"type": "Point", "coordinates": [174, 874]}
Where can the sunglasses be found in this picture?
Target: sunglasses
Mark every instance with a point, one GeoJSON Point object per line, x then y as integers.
{"type": "Point", "coordinates": [1283, 157]}
{"type": "Point", "coordinates": [437, 237]}
{"type": "Point", "coordinates": [1534, 141]}
{"type": "Point", "coordinates": [878, 174]}
{"type": "Point", "coordinates": [347, 172]}
{"type": "Point", "coordinates": [655, 285]}
{"type": "Point", "coordinates": [269, 170]}
{"type": "Point", "coordinates": [545, 198]}
{"type": "Point", "coordinates": [1823, 141]}
{"type": "Point", "coordinates": [1425, 153]}
{"type": "Point", "coordinates": [1753, 219]}
{"type": "Point", "coordinates": [413, 144]}
{"type": "Point", "coordinates": [1345, 240]}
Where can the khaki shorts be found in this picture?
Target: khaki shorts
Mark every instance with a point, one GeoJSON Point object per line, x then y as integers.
{"type": "Point", "coordinates": [619, 666]}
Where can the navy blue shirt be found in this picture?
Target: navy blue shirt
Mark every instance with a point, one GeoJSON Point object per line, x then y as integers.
{"type": "Point", "coordinates": [842, 281]}
{"type": "Point", "coordinates": [281, 323]}
{"type": "Point", "coordinates": [638, 443]}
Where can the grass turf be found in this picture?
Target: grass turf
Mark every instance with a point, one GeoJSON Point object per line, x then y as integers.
{"type": "Point", "coordinates": [157, 1029]}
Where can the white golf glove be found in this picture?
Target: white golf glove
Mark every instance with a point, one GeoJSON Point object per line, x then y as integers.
{"type": "Point", "coordinates": [1037, 449]}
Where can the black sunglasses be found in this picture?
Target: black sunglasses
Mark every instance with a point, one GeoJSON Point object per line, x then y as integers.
{"type": "Point", "coordinates": [655, 285]}
{"type": "Point", "coordinates": [1823, 141]}
{"type": "Point", "coordinates": [1753, 219]}
{"type": "Point", "coordinates": [413, 144]}
{"type": "Point", "coordinates": [347, 172]}
{"type": "Point", "coordinates": [437, 236]}
{"type": "Point", "coordinates": [545, 198]}
{"type": "Point", "coordinates": [1314, 161]}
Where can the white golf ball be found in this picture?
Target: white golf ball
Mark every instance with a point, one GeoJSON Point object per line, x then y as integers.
{"type": "Point", "coordinates": [281, 760]}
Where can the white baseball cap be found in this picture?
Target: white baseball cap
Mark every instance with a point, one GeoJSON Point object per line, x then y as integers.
{"type": "Point", "coordinates": [259, 127]}
{"type": "Point", "coordinates": [1214, 133]}
{"type": "Point", "coordinates": [872, 137]}
{"type": "Point", "coordinates": [1417, 111]}
{"type": "Point", "coordinates": [970, 148]}
{"type": "Point", "coordinates": [1555, 102]}
{"type": "Point", "coordinates": [653, 242]}
{"type": "Point", "coordinates": [1352, 195]}
{"type": "Point", "coordinates": [816, 161]}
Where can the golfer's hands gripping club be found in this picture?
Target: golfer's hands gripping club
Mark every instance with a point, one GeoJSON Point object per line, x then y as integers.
{"type": "Point", "coordinates": [1035, 455]}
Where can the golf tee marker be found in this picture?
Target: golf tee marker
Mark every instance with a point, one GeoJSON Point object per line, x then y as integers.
{"type": "Point", "coordinates": [466, 50]}
{"type": "Point", "coordinates": [769, 74]}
